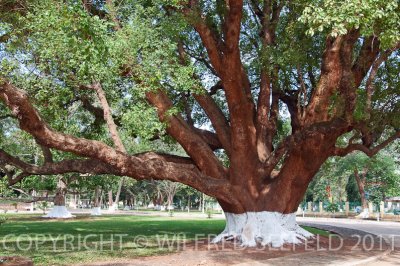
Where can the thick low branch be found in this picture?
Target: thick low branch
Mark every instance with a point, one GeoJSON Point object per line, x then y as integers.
{"type": "Point", "coordinates": [125, 165]}
{"type": "Point", "coordinates": [87, 166]}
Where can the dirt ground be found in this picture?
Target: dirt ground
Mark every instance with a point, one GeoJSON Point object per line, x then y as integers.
{"type": "Point", "coordinates": [229, 253]}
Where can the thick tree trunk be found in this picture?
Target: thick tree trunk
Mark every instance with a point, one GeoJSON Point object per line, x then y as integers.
{"type": "Point", "coordinates": [268, 215]}
{"type": "Point", "coordinates": [264, 227]}
{"type": "Point", "coordinates": [268, 218]}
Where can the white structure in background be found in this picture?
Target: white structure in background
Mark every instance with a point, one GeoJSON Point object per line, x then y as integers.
{"type": "Point", "coordinates": [96, 211]}
{"type": "Point", "coordinates": [73, 205]}
{"type": "Point", "coordinates": [393, 203]}
{"type": "Point", "coordinates": [59, 212]}
{"type": "Point", "coordinates": [364, 214]}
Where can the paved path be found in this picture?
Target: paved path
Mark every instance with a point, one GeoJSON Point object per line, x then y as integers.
{"type": "Point", "coordinates": [390, 231]}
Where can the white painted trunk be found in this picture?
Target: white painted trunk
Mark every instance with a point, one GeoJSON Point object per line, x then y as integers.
{"type": "Point", "coordinates": [96, 211]}
{"type": "Point", "coordinates": [364, 214]}
{"type": "Point", "coordinates": [113, 207]}
{"type": "Point", "coordinates": [264, 228]}
{"type": "Point", "coordinates": [59, 212]}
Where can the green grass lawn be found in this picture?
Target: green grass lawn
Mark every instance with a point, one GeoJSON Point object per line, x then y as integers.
{"type": "Point", "coordinates": [62, 242]}
{"type": "Point", "coordinates": [88, 239]}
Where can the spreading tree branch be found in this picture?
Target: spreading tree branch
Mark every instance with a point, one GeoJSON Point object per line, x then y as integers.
{"type": "Point", "coordinates": [193, 144]}
{"type": "Point", "coordinates": [365, 149]}
{"type": "Point", "coordinates": [212, 110]}
{"type": "Point", "coordinates": [126, 165]}
{"type": "Point", "coordinates": [335, 77]}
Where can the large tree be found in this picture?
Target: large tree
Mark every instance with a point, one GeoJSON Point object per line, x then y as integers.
{"type": "Point", "coordinates": [224, 77]}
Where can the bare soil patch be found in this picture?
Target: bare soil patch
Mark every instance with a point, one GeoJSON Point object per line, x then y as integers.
{"type": "Point", "coordinates": [229, 252]}
{"type": "Point", "coordinates": [15, 261]}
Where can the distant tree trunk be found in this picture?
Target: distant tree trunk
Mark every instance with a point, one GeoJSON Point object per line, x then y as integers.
{"type": "Point", "coordinates": [74, 200]}
{"type": "Point", "coordinates": [169, 189]}
{"type": "Point", "coordinates": [203, 201]}
{"type": "Point", "coordinates": [361, 188]}
{"type": "Point", "coordinates": [59, 209]}
{"type": "Point", "coordinates": [59, 199]}
{"type": "Point", "coordinates": [188, 204]}
{"type": "Point", "coordinates": [33, 204]}
{"type": "Point", "coordinates": [110, 199]}
{"type": "Point", "coordinates": [97, 202]}
{"type": "Point", "coordinates": [118, 194]}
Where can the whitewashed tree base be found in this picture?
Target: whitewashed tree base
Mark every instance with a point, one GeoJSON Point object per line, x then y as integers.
{"type": "Point", "coordinates": [364, 214]}
{"type": "Point", "coordinates": [264, 228]}
{"type": "Point", "coordinates": [96, 211]}
{"type": "Point", "coordinates": [59, 212]}
{"type": "Point", "coordinates": [113, 207]}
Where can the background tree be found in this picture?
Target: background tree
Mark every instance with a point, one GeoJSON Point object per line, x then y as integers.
{"type": "Point", "coordinates": [358, 178]}
{"type": "Point", "coordinates": [170, 189]}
